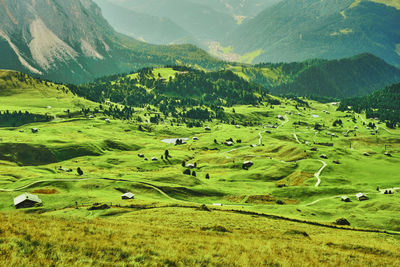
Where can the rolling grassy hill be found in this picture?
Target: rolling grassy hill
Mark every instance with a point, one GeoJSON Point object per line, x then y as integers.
{"type": "Point", "coordinates": [287, 202]}
{"type": "Point", "coordinates": [298, 30]}
{"type": "Point", "coordinates": [171, 236]}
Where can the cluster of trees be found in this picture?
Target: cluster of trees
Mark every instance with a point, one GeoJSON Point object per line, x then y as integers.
{"type": "Point", "coordinates": [122, 113]}
{"type": "Point", "coordinates": [337, 122]}
{"type": "Point", "coordinates": [383, 104]}
{"type": "Point", "coordinates": [18, 118]}
{"type": "Point", "coordinates": [191, 94]}
{"type": "Point", "coordinates": [193, 86]}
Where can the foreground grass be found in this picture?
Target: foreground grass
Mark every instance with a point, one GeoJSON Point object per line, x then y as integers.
{"type": "Point", "coordinates": [175, 236]}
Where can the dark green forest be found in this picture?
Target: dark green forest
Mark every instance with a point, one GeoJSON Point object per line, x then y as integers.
{"type": "Point", "coordinates": [327, 80]}
{"type": "Point", "coordinates": [18, 118]}
{"type": "Point", "coordinates": [188, 88]}
{"type": "Point", "coordinates": [383, 104]}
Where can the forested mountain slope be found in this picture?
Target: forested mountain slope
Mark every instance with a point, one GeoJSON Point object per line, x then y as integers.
{"type": "Point", "coordinates": [348, 77]}
{"type": "Point", "coordinates": [295, 30]}
{"type": "Point", "coordinates": [383, 104]}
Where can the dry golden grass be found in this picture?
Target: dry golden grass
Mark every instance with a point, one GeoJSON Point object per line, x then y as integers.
{"type": "Point", "coordinates": [184, 237]}
{"type": "Point", "coordinates": [296, 178]}
{"type": "Point", "coordinates": [46, 191]}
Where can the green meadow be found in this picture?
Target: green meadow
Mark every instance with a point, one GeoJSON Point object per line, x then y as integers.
{"type": "Point", "coordinates": [282, 183]}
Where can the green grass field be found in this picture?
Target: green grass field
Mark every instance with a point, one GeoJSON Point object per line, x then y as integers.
{"type": "Point", "coordinates": [281, 182]}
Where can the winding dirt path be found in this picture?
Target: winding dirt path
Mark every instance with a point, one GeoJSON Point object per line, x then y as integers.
{"type": "Point", "coordinates": [318, 173]}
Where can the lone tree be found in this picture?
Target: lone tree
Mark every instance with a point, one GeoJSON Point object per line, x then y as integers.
{"type": "Point", "coordinates": [194, 173]}
{"type": "Point", "coordinates": [79, 171]}
{"type": "Point", "coordinates": [207, 176]}
{"type": "Point", "coordinates": [166, 153]}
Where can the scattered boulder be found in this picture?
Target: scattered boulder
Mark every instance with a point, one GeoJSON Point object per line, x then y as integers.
{"type": "Point", "coordinates": [342, 221]}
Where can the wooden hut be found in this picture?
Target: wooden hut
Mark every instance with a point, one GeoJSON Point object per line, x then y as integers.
{"type": "Point", "coordinates": [27, 201]}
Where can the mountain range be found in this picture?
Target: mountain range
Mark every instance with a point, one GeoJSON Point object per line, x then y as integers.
{"type": "Point", "coordinates": [266, 31]}
{"type": "Point", "coordinates": [144, 27]}
{"type": "Point", "coordinates": [180, 21]}
{"type": "Point", "coordinates": [70, 41]}
{"type": "Point", "coordinates": [295, 30]}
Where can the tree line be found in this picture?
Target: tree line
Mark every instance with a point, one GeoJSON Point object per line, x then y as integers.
{"type": "Point", "coordinates": [383, 104]}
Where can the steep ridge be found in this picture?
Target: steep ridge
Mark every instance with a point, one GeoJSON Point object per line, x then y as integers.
{"type": "Point", "coordinates": [70, 41]}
